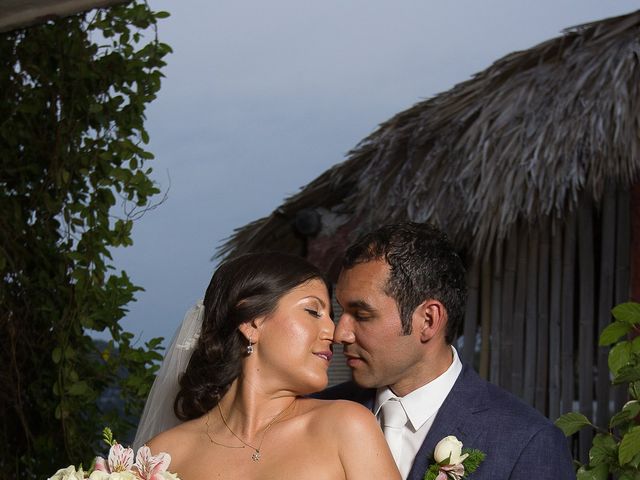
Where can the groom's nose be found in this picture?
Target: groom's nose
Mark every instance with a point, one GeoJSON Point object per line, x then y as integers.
{"type": "Point", "coordinates": [344, 330]}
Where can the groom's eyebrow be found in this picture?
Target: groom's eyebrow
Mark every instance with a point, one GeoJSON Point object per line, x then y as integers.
{"type": "Point", "coordinates": [360, 305]}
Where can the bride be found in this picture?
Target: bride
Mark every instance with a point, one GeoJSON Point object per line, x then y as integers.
{"type": "Point", "coordinates": [265, 343]}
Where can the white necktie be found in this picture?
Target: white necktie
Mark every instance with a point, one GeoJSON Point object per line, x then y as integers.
{"type": "Point", "coordinates": [394, 419]}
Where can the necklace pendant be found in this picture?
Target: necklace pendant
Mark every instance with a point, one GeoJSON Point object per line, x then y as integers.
{"type": "Point", "coordinates": [256, 456]}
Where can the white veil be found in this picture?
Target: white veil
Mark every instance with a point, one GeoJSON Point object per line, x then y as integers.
{"type": "Point", "coordinates": [158, 415]}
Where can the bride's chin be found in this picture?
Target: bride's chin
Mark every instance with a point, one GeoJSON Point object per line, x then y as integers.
{"type": "Point", "coordinates": [318, 386]}
{"type": "Point", "coordinates": [312, 386]}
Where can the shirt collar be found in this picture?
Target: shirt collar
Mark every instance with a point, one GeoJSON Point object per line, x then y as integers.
{"type": "Point", "coordinates": [424, 402]}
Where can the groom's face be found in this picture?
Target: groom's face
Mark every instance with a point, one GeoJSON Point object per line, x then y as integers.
{"type": "Point", "coordinates": [370, 329]}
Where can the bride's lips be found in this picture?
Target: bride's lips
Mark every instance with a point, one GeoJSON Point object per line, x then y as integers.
{"type": "Point", "coordinates": [326, 355]}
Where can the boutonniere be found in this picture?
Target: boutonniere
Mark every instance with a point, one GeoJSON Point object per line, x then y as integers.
{"type": "Point", "coordinates": [452, 462]}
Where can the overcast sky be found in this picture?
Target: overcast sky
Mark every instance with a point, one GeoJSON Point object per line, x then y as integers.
{"type": "Point", "coordinates": [261, 97]}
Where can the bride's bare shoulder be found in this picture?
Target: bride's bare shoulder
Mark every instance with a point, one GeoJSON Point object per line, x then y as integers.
{"type": "Point", "coordinates": [176, 439]}
{"type": "Point", "coordinates": [342, 414]}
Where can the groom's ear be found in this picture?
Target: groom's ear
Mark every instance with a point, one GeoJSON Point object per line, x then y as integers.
{"type": "Point", "coordinates": [431, 319]}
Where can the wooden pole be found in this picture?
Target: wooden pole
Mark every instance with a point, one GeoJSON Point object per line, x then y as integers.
{"type": "Point", "coordinates": [508, 291]}
{"type": "Point", "coordinates": [517, 359]}
{"type": "Point", "coordinates": [622, 271]}
{"type": "Point", "coordinates": [496, 315]}
{"type": "Point", "coordinates": [471, 314]}
{"type": "Point", "coordinates": [531, 319]}
{"type": "Point", "coordinates": [605, 299]}
{"type": "Point", "coordinates": [635, 242]}
{"type": "Point", "coordinates": [485, 316]}
{"type": "Point", "coordinates": [542, 361]}
{"type": "Point", "coordinates": [568, 285]}
{"type": "Point", "coordinates": [555, 322]}
{"type": "Point", "coordinates": [586, 315]}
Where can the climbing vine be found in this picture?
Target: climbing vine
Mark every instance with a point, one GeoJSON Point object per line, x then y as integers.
{"type": "Point", "coordinates": [74, 176]}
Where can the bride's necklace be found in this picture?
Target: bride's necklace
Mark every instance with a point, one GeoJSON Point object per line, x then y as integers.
{"type": "Point", "coordinates": [256, 454]}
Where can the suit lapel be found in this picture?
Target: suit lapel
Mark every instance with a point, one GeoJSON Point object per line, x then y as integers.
{"type": "Point", "coordinates": [455, 417]}
{"type": "Point", "coordinates": [369, 401]}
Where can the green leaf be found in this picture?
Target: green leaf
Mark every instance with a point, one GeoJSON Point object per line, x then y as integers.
{"type": "Point", "coordinates": [571, 422]}
{"type": "Point", "coordinates": [619, 356]}
{"type": "Point", "coordinates": [107, 436]}
{"type": "Point", "coordinates": [69, 352]}
{"type": "Point", "coordinates": [432, 472]}
{"type": "Point", "coordinates": [599, 472]}
{"type": "Point", "coordinates": [613, 332]}
{"type": "Point", "coordinates": [473, 461]}
{"type": "Point", "coordinates": [634, 390]}
{"type": "Point", "coordinates": [627, 312]}
{"type": "Point", "coordinates": [626, 475]}
{"type": "Point", "coordinates": [603, 449]}
{"type": "Point", "coordinates": [627, 374]}
{"type": "Point", "coordinates": [56, 355]}
{"type": "Point", "coordinates": [635, 462]}
{"type": "Point", "coordinates": [629, 446]}
{"type": "Point", "coordinates": [619, 418]}
{"type": "Point", "coordinates": [633, 407]}
{"type": "Point", "coordinates": [79, 388]}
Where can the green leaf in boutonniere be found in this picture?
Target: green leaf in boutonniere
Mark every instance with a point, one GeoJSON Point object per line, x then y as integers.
{"type": "Point", "coordinates": [473, 461]}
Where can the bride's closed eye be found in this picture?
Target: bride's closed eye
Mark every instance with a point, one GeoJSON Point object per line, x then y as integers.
{"type": "Point", "coordinates": [313, 312]}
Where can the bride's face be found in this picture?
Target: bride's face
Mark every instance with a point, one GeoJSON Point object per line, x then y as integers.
{"type": "Point", "coordinates": [294, 343]}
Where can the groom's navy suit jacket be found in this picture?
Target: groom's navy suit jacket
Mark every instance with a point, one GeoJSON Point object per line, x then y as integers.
{"type": "Point", "coordinates": [519, 443]}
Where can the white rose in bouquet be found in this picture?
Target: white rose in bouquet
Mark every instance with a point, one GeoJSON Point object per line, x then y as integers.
{"type": "Point", "coordinates": [68, 473]}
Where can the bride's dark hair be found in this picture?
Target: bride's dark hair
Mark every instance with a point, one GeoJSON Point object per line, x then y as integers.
{"type": "Point", "coordinates": [241, 289]}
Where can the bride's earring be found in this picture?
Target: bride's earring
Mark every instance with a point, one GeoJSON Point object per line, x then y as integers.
{"type": "Point", "coordinates": [250, 347]}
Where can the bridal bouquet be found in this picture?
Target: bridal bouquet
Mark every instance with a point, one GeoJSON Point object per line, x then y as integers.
{"type": "Point", "coordinates": [120, 465]}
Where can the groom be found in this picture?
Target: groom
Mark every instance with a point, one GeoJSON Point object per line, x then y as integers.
{"type": "Point", "coordinates": [402, 292]}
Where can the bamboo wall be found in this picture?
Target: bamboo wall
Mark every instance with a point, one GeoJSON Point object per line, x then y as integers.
{"type": "Point", "coordinates": [537, 303]}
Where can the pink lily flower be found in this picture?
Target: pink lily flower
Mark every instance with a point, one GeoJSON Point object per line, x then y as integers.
{"type": "Point", "coordinates": [149, 466]}
{"type": "Point", "coordinates": [120, 460]}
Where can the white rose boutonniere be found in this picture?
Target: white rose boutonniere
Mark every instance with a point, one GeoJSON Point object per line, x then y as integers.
{"type": "Point", "coordinates": [452, 462]}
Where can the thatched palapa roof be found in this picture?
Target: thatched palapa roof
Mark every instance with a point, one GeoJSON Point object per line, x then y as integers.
{"type": "Point", "coordinates": [16, 14]}
{"type": "Point", "coordinates": [518, 141]}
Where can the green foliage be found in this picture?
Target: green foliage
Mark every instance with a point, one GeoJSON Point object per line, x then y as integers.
{"type": "Point", "coordinates": [473, 461]}
{"type": "Point", "coordinates": [72, 140]}
{"type": "Point", "coordinates": [107, 436]}
{"type": "Point", "coordinates": [615, 451]}
{"type": "Point", "coordinates": [471, 464]}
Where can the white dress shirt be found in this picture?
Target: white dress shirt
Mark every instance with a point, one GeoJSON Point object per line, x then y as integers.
{"type": "Point", "coordinates": [421, 407]}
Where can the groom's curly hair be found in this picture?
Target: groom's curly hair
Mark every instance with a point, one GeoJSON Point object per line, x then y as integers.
{"type": "Point", "coordinates": [242, 289]}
